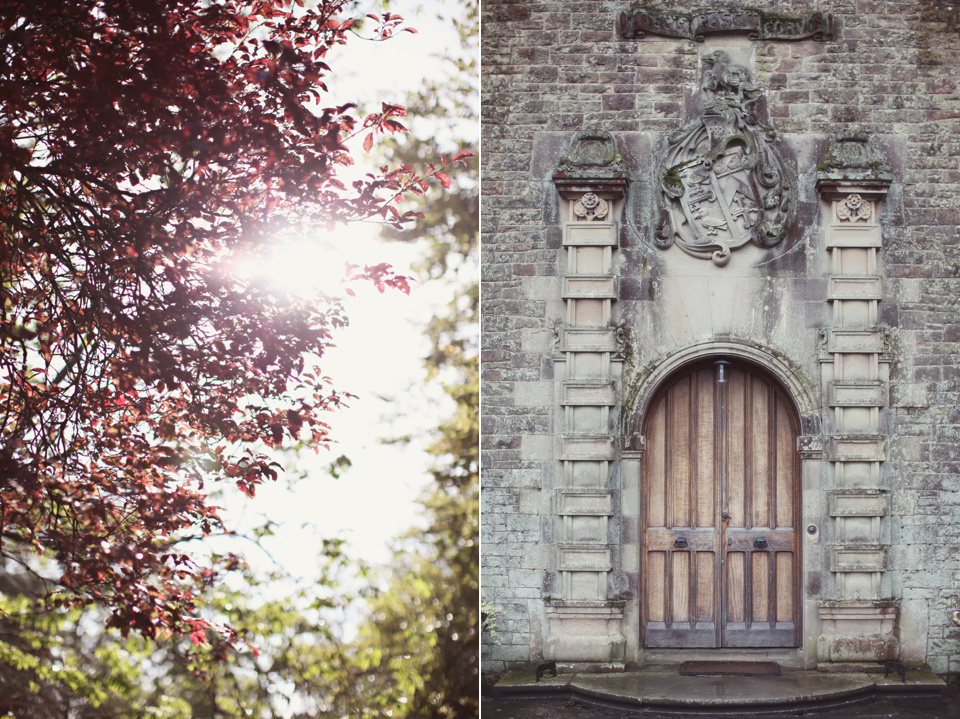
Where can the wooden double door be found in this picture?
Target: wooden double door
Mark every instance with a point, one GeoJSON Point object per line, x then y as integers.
{"type": "Point", "coordinates": [720, 541]}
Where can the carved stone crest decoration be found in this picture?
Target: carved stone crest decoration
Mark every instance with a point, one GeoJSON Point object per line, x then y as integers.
{"type": "Point", "coordinates": [722, 182]}
{"type": "Point", "coordinates": [639, 22]}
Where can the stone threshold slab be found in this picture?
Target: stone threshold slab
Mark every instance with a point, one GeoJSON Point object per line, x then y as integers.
{"type": "Point", "coordinates": [660, 689]}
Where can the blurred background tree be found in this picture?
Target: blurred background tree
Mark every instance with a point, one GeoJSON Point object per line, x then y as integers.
{"type": "Point", "coordinates": [426, 620]}
{"type": "Point", "coordinates": [354, 640]}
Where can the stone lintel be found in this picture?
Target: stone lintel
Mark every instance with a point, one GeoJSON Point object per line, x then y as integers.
{"type": "Point", "coordinates": [858, 503]}
{"type": "Point", "coordinates": [857, 448]}
{"type": "Point", "coordinates": [858, 558]}
{"type": "Point", "coordinates": [855, 341]}
{"type": "Point", "coordinates": [585, 502]}
{"type": "Point", "coordinates": [589, 287]}
{"type": "Point", "coordinates": [855, 288]}
{"type": "Point", "coordinates": [581, 392]}
{"type": "Point", "coordinates": [854, 236]}
{"type": "Point", "coordinates": [588, 447]}
{"type": "Point", "coordinates": [606, 608]}
{"type": "Point", "coordinates": [584, 557]}
{"type": "Point", "coordinates": [871, 189]}
{"type": "Point", "coordinates": [588, 339]}
{"type": "Point", "coordinates": [858, 616]}
{"type": "Point", "coordinates": [587, 234]}
{"type": "Point", "coordinates": [857, 393]}
{"type": "Point", "coordinates": [612, 185]}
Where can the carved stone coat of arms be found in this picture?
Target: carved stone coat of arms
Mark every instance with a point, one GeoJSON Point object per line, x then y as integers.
{"type": "Point", "coordinates": [722, 182]}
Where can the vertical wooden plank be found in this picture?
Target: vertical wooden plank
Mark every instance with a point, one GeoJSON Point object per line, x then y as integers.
{"type": "Point", "coordinates": [735, 586]}
{"type": "Point", "coordinates": [760, 456]}
{"type": "Point", "coordinates": [785, 587]}
{"type": "Point", "coordinates": [680, 608]}
{"type": "Point", "coordinates": [734, 442]}
{"type": "Point", "coordinates": [656, 590]}
{"type": "Point", "coordinates": [706, 500]}
{"type": "Point", "coordinates": [680, 475]}
{"type": "Point", "coordinates": [655, 468]}
{"type": "Point", "coordinates": [785, 467]}
{"type": "Point", "coordinates": [760, 579]}
{"type": "Point", "coordinates": [706, 586]}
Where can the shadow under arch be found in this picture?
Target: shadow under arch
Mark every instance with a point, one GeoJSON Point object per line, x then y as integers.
{"type": "Point", "coordinates": [799, 389]}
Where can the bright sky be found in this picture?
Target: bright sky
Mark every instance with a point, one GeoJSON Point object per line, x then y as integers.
{"type": "Point", "coordinates": [380, 355]}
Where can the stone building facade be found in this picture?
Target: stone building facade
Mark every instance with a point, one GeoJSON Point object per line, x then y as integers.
{"type": "Point", "coordinates": [721, 330]}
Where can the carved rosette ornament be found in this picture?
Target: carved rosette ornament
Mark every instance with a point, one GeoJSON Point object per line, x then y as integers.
{"type": "Point", "coordinates": [853, 209]}
{"type": "Point", "coordinates": [591, 207]}
{"type": "Point", "coordinates": [722, 182]}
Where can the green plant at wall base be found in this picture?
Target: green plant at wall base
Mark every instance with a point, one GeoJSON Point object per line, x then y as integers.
{"type": "Point", "coordinates": [489, 614]}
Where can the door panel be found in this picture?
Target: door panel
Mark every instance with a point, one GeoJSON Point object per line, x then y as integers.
{"type": "Point", "coordinates": [720, 547]}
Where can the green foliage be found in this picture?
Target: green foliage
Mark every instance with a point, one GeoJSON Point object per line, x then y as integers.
{"type": "Point", "coordinates": [489, 616]}
{"type": "Point", "coordinates": [57, 661]}
{"type": "Point", "coordinates": [426, 620]}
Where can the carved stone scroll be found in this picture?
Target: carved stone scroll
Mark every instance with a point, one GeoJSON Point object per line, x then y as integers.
{"type": "Point", "coordinates": [722, 182]}
{"type": "Point", "coordinates": [637, 23]}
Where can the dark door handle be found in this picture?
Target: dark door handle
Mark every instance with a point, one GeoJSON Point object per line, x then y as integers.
{"type": "Point", "coordinates": [760, 542]}
{"type": "Point", "coordinates": [680, 543]}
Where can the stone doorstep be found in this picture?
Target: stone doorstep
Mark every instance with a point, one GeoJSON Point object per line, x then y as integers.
{"type": "Point", "coordinates": [661, 689]}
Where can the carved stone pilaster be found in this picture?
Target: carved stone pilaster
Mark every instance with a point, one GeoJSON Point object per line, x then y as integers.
{"type": "Point", "coordinates": [859, 622]}
{"type": "Point", "coordinates": [585, 621]}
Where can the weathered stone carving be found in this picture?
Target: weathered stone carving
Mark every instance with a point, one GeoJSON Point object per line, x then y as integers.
{"type": "Point", "coordinates": [636, 23]}
{"type": "Point", "coordinates": [852, 156]}
{"type": "Point", "coordinates": [721, 180]}
{"type": "Point", "coordinates": [853, 209]}
{"type": "Point", "coordinates": [591, 165]}
{"type": "Point", "coordinates": [591, 153]}
{"type": "Point", "coordinates": [621, 339]}
{"type": "Point", "coordinates": [591, 207]}
{"type": "Point", "coordinates": [823, 339]}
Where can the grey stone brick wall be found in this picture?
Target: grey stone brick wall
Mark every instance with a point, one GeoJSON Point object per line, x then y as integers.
{"type": "Point", "coordinates": [553, 68]}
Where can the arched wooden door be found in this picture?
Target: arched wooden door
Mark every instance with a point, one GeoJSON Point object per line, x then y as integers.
{"type": "Point", "coordinates": [720, 512]}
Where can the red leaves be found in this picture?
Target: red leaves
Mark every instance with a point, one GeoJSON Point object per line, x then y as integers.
{"type": "Point", "coordinates": [382, 276]}
{"type": "Point", "coordinates": [388, 25]}
{"type": "Point", "coordinates": [383, 122]}
{"type": "Point", "coordinates": [198, 632]}
{"type": "Point", "coordinates": [136, 157]}
{"type": "Point", "coordinates": [199, 637]}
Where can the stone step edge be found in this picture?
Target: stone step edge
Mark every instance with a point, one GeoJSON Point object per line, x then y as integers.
{"type": "Point", "coordinates": [520, 684]}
